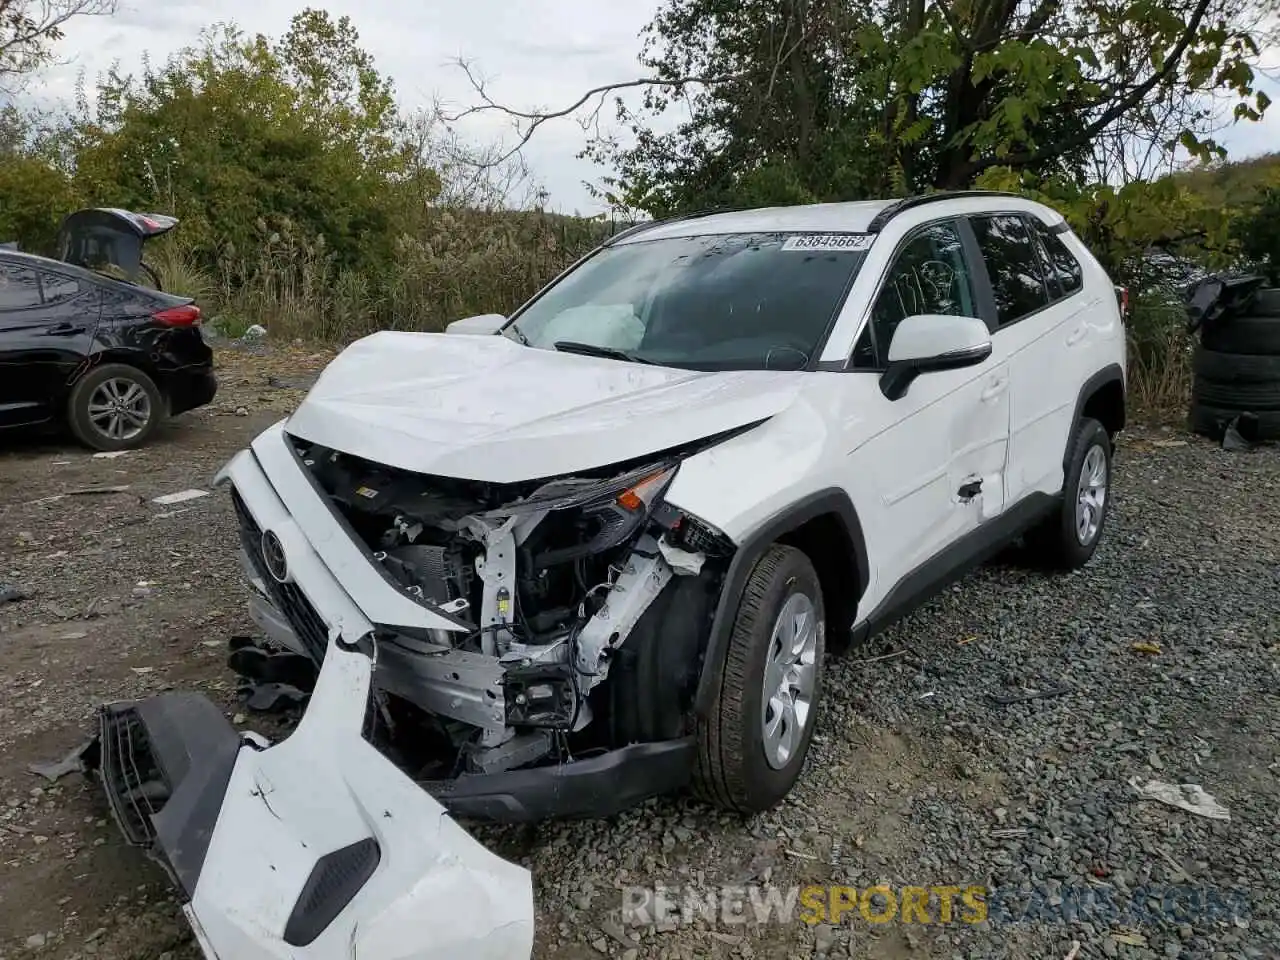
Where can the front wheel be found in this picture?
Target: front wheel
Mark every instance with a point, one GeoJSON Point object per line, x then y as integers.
{"type": "Point", "coordinates": [753, 742]}
{"type": "Point", "coordinates": [1068, 537]}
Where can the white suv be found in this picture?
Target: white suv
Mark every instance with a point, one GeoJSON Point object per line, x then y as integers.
{"type": "Point", "coordinates": [595, 552]}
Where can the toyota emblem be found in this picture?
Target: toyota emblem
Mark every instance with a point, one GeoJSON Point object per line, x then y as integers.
{"type": "Point", "coordinates": [273, 556]}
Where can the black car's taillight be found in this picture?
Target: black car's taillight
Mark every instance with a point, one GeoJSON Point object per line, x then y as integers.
{"type": "Point", "coordinates": [187, 315]}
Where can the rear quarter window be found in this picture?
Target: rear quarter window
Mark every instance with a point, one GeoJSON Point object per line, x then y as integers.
{"type": "Point", "coordinates": [57, 287]}
{"type": "Point", "coordinates": [18, 287]}
{"type": "Point", "coordinates": [1063, 266]}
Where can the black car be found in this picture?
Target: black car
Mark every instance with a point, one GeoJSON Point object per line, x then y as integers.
{"type": "Point", "coordinates": [82, 341]}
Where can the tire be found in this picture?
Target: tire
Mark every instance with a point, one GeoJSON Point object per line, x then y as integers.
{"type": "Point", "coordinates": [1235, 367]}
{"type": "Point", "coordinates": [1252, 335]}
{"type": "Point", "coordinates": [1211, 421]}
{"type": "Point", "coordinates": [1236, 396]}
{"type": "Point", "coordinates": [1064, 540]}
{"type": "Point", "coordinates": [144, 407]}
{"type": "Point", "coordinates": [737, 769]}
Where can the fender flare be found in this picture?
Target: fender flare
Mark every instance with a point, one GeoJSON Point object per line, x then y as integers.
{"type": "Point", "coordinates": [1112, 373]}
{"type": "Point", "coordinates": [752, 548]}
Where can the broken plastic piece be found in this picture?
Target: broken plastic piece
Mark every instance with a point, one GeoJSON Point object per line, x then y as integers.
{"type": "Point", "coordinates": [684, 563]}
{"type": "Point", "coordinates": [54, 770]}
{"type": "Point", "coordinates": [180, 497]}
{"type": "Point", "coordinates": [1241, 433]}
{"type": "Point", "coordinates": [268, 697]}
{"type": "Point", "coordinates": [1186, 796]}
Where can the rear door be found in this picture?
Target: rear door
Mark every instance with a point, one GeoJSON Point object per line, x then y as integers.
{"type": "Point", "coordinates": [1041, 326]}
{"type": "Point", "coordinates": [47, 324]}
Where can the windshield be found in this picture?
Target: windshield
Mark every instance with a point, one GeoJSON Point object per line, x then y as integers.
{"type": "Point", "coordinates": [728, 302]}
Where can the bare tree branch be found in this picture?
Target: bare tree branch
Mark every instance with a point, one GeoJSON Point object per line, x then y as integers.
{"type": "Point", "coordinates": [527, 122]}
{"type": "Point", "coordinates": [1118, 107]}
{"type": "Point", "coordinates": [29, 28]}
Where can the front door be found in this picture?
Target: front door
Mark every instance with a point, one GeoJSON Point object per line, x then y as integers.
{"type": "Point", "coordinates": [47, 322]}
{"type": "Point", "coordinates": [937, 457]}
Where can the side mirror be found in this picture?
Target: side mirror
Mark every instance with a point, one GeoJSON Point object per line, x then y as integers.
{"type": "Point", "coordinates": [486, 323]}
{"type": "Point", "coordinates": [929, 342]}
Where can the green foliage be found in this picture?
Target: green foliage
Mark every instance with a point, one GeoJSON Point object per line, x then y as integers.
{"type": "Point", "coordinates": [1258, 233]}
{"type": "Point", "coordinates": [239, 128]}
{"type": "Point", "coordinates": [1124, 225]}
{"type": "Point", "coordinates": [34, 197]}
{"type": "Point", "coordinates": [823, 99]}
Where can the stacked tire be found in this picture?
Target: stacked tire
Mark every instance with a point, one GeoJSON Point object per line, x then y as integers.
{"type": "Point", "coordinates": [1236, 371]}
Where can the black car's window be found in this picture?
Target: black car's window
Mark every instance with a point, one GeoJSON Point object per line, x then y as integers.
{"type": "Point", "coordinates": [18, 287]}
{"type": "Point", "coordinates": [57, 287]}
{"type": "Point", "coordinates": [929, 275]}
{"type": "Point", "coordinates": [1063, 267]}
{"type": "Point", "coordinates": [1012, 264]}
{"type": "Point", "coordinates": [724, 302]}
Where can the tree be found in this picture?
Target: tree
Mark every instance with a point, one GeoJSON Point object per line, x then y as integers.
{"type": "Point", "coordinates": [1258, 232]}
{"type": "Point", "coordinates": [830, 99]}
{"type": "Point", "coordinates": [30, 28]}
{"type": "Point", "coordinates": [240, 135]}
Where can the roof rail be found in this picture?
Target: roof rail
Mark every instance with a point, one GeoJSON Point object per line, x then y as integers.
{"type": "Point", "coordinates": [631, 231]}
{"type": "Point", "coordinates": [881, 219]}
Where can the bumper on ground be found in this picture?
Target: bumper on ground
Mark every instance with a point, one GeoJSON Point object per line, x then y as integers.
{"type": "Point", "coordinates": [315, 847]}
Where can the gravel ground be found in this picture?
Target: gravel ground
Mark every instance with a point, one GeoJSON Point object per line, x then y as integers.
{"type": "Point", "coordinates": [918, 777]}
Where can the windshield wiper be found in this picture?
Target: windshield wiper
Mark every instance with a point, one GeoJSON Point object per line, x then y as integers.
{"type": "Point", "coordinates": [592, 350]}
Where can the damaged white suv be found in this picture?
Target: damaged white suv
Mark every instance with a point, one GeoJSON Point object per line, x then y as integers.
{"type": "Point", "coordinates": [556, 563]}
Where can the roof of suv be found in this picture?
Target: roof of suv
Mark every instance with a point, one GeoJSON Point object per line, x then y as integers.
{"type": "Point", "coordinates": [862, 216]}
{"type": "Point", "coordinates": [849, 217]}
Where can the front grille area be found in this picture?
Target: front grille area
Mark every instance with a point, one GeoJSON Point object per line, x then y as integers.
{"type": "Point", "coordinates": [288, 597]}
{"type": "Point", "coordinates": [135, 785]}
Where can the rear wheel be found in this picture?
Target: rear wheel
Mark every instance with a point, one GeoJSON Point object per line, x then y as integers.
{"type": "Point", "coordinates": [1067, 538]}
{"type": "Point", "coordinates": [752, 745]}
{"type": "Point", "coordinates": [114, 407]}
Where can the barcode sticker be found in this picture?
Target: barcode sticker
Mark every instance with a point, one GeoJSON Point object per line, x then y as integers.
{"type": "Point", "coordinates": [850, 242]}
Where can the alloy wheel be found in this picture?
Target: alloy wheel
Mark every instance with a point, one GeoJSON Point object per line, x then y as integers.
{"type": "Point", "coordinates": [790, 673]}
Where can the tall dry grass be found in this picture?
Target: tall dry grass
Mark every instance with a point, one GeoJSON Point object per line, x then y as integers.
{"type": "Point", "coordinates": [459, 263]}
{"type": "Point", "coordinates": [1159, 356]}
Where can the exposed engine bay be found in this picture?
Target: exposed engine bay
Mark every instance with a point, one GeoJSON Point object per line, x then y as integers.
{"type": "Point", "coordinates": [549, 583]}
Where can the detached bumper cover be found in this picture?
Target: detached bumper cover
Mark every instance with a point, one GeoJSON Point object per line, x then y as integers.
{"type": "Point", "coordinates": [316, 847]}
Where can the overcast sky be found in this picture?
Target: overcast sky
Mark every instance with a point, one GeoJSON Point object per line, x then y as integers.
{"type": "Point", "coordinates": [534, 53]}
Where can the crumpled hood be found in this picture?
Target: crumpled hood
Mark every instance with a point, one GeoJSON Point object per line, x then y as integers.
{"type": "Point", "coordinates": [487, 408]}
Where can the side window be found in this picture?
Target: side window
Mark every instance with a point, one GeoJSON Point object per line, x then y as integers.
{"type": "Point", "coordinates": [1063, 266]}
{"type": "Point", "coordinates": [57, 287]}
{"type": "Point", "coordinates": [1012, 264]}
{"type": "Point", "coordinates": [929, 276]}
{"type": "Point", "coordinates": [18, 287]}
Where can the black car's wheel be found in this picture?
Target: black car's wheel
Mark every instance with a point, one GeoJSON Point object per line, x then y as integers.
{"type": "Point", "coordinates": [752, 745]}
{"type": "Point", "coordinates": [1067, 538]}
{"type": "Point", "coordinates": [115, 407]}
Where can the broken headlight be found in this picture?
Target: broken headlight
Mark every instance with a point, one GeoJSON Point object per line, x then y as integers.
{"type": "Point", "coordinates": [590, 516]}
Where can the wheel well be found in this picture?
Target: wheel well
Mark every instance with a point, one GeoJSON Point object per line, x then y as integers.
{"type": "Point", "coordinates": [124, 359]}
{"type": "Point", "coordinates": [1106, 405]}
{"type": "Point", "coordinates": [825, 540]}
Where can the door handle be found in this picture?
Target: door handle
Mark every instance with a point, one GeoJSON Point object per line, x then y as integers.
{"type": "Point", "coordinates": [995, 389]}
{"type": "Point", "coordinates": [65, 329]}
{"type": "Point", "coordinates": [1077, 335]}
